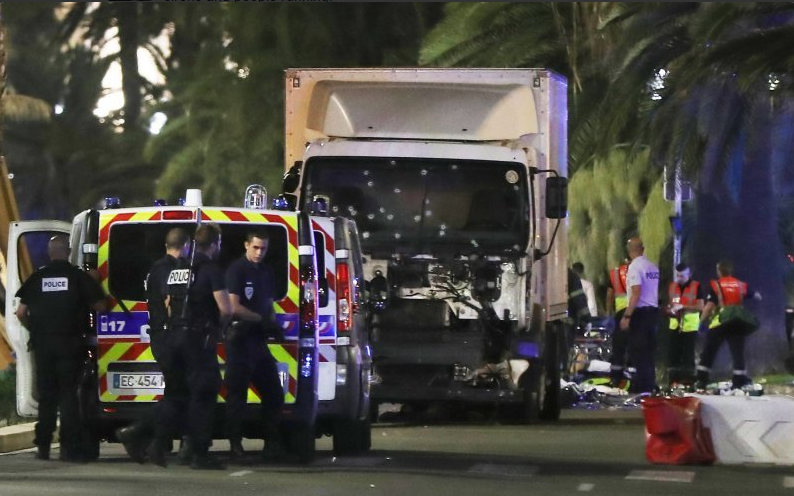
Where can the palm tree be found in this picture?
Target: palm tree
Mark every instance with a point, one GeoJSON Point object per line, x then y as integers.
{"type": "Point", "coordinates": [724, 110]}
{"type": "Point", "coordinates": [225, 119]}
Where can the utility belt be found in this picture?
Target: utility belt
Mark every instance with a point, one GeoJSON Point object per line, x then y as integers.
{"type": "Point", "coordinates": [202, 327]}
{"type": "Point", "coordinates": [239, 330]}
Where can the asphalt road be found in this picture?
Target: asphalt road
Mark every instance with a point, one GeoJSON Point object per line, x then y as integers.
{"type": "Point", "coordinates": [585, 452]}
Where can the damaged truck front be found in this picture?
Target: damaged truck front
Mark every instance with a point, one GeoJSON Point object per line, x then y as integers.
{"type": "Point", "coordinates": [457, 181]}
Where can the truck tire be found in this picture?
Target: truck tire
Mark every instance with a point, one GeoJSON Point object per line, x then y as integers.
{"type": "Point", "coordinates": [541, 384]}
{"type": "Point", "coordinates": [352, 437]}
{"type": "Point", "coordinates": [532, 383]}
{"type": "Point", "coordinates": [550, 405]}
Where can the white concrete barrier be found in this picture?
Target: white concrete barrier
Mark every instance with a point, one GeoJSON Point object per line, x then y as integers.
{"type": "Point", "coordinates": [750, 429]}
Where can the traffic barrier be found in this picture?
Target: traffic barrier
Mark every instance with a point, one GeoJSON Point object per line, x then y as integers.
{"type": "Point", "coordinates": [750, 429]}
{"type": "Point", "coordinates": [674, 431]}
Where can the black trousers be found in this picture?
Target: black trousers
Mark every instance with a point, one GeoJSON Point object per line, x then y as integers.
{"type": "Point", "coordinates": [735, 334]}
{"type": "Point", "coordinates": [681, 357]}
{"type": "Point", "coordinates": [175, 385]}
{"type": "Point", "coordinates": [59, 362]}
{"type": "Point", "coordinates": [249, 361]}
{"type": "Point", "coordinates": [620, 347]}
{"type": "Point", "coordinates": [642, 346]}
{"type": "Point", "coordinates": [192, 357]}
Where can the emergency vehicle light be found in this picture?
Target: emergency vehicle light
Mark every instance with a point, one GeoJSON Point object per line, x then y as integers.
{"type": "Point", "coordinates": [178, 215]}
{"type": "Point", "coordinates": [255, 197]}
{"type": "Point", "coordinates": [343, 297]}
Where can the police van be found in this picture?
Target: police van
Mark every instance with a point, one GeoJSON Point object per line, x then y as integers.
{"type": "Point", "coordinates": [324, 367]}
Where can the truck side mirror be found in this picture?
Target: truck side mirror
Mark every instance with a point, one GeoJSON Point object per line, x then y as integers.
{"type": "Point", "coordinates": [292, 178]}
{"type": "Point", "coordinates": [556, 197]}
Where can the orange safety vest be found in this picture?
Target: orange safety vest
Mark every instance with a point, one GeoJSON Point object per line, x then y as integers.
{"type": "Point", "coordinates": [617, 277]}
{"type": "Point", "coordinates": [689, 320]}
{"type": "Point", "coordinates": [730, 291]}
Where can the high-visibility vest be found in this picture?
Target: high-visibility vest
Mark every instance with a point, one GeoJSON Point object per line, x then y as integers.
{"type": "Point", "coordinates": [730, 292]}
{"type": "Point", "coordinates": [690, 319]}
{"type": "Point", "coordinates": [617, 277]}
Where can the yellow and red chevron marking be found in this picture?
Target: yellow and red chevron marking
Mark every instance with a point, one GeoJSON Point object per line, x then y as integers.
{"type": "Point", "coordinates": [330, 253]}
{"type": "Point", "coordinates": [327, 353]}
{"type": "Point", "coordinates": [121, 352]}
{"type": "Point", "coordinates": [290, 302]}
{"type": "Point", "coordinates": [116, 352]}
{"type": "Point", "coordinates": [285, 353]}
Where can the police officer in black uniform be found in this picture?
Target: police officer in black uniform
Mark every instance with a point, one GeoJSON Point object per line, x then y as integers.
{"type": "Point", "coordinates": [197, 304]}
{"type": "Point", "coordinates": [55, 305]}
{"type": "Point", "coordinates": [137, 437]}
{"type": "Point", "coordinates": [248, 359]}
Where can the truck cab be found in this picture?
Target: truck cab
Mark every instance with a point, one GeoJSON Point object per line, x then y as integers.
{"type": "Point", "coordinates": [456, 181]}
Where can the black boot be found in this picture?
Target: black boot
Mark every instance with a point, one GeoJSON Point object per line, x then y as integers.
{"type": "Point", "coordinates": [236, 449]}
{"type": "Point", "coordinates": [740, 380]}
{"type": "Point", "coordinates": [156, 454]}
{"type": "Point", "coordinates": [43, 451]}
{"type": "Point", "coordinates": [274, 448]}
{"type": "Point", "coordinates": [205, 461]}
{"type": "Point", "coordinates": [185, 455]}
{"type": "Point", "coordinates": [702, 380]}
{"type": "Point", "coordinates": [134, 441]}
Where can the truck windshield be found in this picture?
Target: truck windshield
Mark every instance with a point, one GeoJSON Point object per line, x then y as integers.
{"type": "Point", "coordinates": [439, 207]}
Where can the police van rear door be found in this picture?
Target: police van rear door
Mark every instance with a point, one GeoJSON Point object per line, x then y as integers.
{"type": "Point", "coordinates": [324, 242]}
{"type": "Point", "coordinates": [27, 251]}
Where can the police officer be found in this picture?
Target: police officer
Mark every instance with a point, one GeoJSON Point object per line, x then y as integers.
{"type": "Point", "coordinates": [55, 305]}
{"type": "Point", "coordinates": [138, 436]}
{"type": "Point", "coordinates": [732, 323]}
{"type": "Point", "coordinates": [641, 316]}
{"type": "Point", "coordinates": [248, 360]}
{"type": "Point", "coordinates": [197, 305]}
{"type": "Point", "coordinates": [685, 301]}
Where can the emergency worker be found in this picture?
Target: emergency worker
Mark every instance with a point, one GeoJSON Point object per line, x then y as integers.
{"type": "Point", "coordinates": [684, 306]}
{"type": "Point", "coordinates": [197, 304]}
{"type": "Point", "coordinates": [641, 315]}
{"type": "Point", "coordinates": [55, 305]}
{"type": "Point", "coordinates": [250, 282]}
{"type": "Point", "coordinates": [617, 300]}
{"type": "Point", "coordinates": [727, 320]}
{"type": "Point", "coordinates": [138, 436]}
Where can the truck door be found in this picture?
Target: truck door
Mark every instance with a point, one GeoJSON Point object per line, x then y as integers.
{"type": "Point", "coordinates": [27, 250]}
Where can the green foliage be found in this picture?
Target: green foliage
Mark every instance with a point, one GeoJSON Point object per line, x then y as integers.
{"type": "Point", "coordinates": [619, 196]}
{"type": "Point", "coordinates": [225, 128]}
{"type": "Point", "coordinates": [8, 401]}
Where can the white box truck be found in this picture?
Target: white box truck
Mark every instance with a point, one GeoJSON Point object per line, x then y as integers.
{"type": "Point", "coordinates": [456, 179]}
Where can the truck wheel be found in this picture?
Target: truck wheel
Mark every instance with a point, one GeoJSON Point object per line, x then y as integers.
{"type": "Point", "coordinates": [550, 405]}
{"type": "Point", "coordinates": [532, 383]}
{"type": "Point", "coordinates": [352, 437]}
{"type": "Point", "coordinates": [301, 442]}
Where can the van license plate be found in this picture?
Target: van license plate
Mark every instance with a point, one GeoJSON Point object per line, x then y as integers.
{"type": "Point", "coordinates": [138, 381]}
